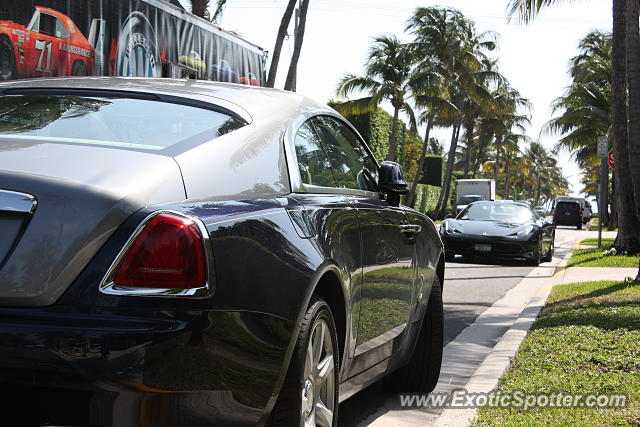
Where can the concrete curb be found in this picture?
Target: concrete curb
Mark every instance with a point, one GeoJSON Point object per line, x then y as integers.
{"type": "Point", "coordinates": [486, 377]}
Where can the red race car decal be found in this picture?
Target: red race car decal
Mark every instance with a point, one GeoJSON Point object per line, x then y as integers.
{"type": "Point", "coordinates": [51, 45]}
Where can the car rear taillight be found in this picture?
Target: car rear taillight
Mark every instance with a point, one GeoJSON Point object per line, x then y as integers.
{"type": "Point", "coordinates": [167, 255]}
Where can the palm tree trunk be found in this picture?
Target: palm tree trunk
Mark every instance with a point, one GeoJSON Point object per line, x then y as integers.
{"type": "Point", "coordinates": [482, 143]}
{"type": "Point", "coordinates": [282, 33]}
{"type": "Point", "coordinates": [633, 82]}
{"type": "Point", "coordinates": [443, 200]}
{"type": "Point", "coordinates": [198, 7]}
{"type": "Point", "coordinates": [467, 158]}
{"type": "Point", "coordinates": [496, 166]}
{"type": "Point", "coordinates": [507, 181]}
{"type": "Point", "coordinates": [290, 83]}
{"type": "Point", "coordinates": [425, 145]}
{"type": "Point", "coordinates": [613, 218]}
{"type": "Point", "coordinates": [393, 138]}
{"type": "Point", "coordinates": [626, 240]}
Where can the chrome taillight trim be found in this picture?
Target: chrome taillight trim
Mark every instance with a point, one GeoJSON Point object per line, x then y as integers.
{"type": "Point", "coordinates": [13, 201]}
{"type": "Point", "coordinates": [108, 287]}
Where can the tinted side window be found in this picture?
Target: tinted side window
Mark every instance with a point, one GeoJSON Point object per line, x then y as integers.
{"type": "Point", "coordinates": [312, 161]}
{"type": "Point", "coordinates": [352, 166]}
{"type": "Point", "coordinates": [47, 24]}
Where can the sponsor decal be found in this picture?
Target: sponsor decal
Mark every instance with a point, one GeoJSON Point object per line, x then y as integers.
{"type": "Point", "coordinates": [137, 48]}
{"type": "Point", "coordinates": [75, 50]}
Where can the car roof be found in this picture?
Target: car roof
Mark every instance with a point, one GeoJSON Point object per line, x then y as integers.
{"type": "Point", "coordinates": [249, 102]}
{"type": "Point", "coordinates": [251, 161]}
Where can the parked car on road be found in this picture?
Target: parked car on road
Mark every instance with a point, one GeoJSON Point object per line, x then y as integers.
{"type": "Point", "coordinates": [176, 252]}
{"type": "Point", "coordinates": [498, 229]}
{"type": "Point", "coordinates": [585, 206]}
{"type": "Point", "coordinates": [540, 211]}
{"type": "Point", "coordinates": [569, 212]}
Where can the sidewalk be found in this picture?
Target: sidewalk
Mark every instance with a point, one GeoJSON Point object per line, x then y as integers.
{"type": "Point", "coordinates": [498, 361]}
{"type": "Point", "coordinates": [594, 274]}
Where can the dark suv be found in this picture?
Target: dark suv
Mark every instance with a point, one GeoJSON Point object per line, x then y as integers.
{"type": "Point", "coordinates": [568, 213]}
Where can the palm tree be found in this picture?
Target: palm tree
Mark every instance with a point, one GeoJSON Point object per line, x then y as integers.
{"type": "Point", "coordinates": [624, 12]}
{"type": "Point", "coordinates": [428, 83]}
{"type": "Point", "coordinates": [290, 82]}
{"type": "Point", "coordinates": [632, 243]}
{"type": "Point", "coordinates": [388, 73]}
{"type": "Point", "coordinates": [455, 45]}
{"type": "Point", "coordinates": [585, 107]}
{"type": "Point", "coordinates": [199, 7]}
{"type": "Point", "coordinates": [277, 49]}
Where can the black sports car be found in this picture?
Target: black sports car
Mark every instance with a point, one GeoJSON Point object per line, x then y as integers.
{"type": "Point", "coordinates": [499, 230]}
{"type": "Point", "coordinates": [187, 253]}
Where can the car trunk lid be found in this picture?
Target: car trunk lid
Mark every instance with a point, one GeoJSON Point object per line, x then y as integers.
{"type": "Point", "coordinates": [79, 195]}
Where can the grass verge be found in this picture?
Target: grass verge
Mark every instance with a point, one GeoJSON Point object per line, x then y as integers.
{"type": "Point", "coordinates": [594, 241]}
{"type": "Point", "coordinates": [593, 257]}
{"type": "Point", "coordinates": [593, 226]}
{"type": "Point", "coordinates": [585, 341]}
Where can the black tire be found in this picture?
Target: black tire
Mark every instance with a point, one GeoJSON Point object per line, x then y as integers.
{"type": "Point", "coordinates": [579, 226]}
{"type": "Point", "coordinates": [7, 60]}
{"type": "Point", "coordinates": [79, 69]}
{"type": "Point", "coordinates": [288, 408]}
{"type": "Point", "coordinates": [534, 262]}
{"type": "Point", "coordinates": [449, 256]}
{"type": "Point", "coordinates": [549, 256]}
{"type": "Point", "coordinates": [421, 374]}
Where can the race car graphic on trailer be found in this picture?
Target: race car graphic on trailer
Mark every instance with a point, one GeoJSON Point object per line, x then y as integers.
{"type": "Point", "coordinates": [51, 45]}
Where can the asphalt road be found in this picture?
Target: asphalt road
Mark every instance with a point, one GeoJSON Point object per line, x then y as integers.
{"type": "Point", "coordinates": [471, 286]}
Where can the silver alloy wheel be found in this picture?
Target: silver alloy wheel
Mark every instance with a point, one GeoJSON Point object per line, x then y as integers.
{"type": "Point", "coordinates": [318, 387]}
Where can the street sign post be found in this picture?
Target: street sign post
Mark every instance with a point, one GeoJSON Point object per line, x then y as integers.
{"type": "Point", "coordinates": [603, 147]}
{"type": "Point", "coordinates": [603, 187]}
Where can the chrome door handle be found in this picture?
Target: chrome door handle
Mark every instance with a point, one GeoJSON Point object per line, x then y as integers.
{"type": "Point", "coordinates": [410, 229]}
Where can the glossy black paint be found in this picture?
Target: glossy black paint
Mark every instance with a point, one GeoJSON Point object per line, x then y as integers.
{"type": "Point", "coordinates": [143, 361]}
{"type": "Point", "coordinates": [503, 238]}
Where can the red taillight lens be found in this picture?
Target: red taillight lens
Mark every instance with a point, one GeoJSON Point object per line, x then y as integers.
{"type": "Point", "coordinates": [168, 253]}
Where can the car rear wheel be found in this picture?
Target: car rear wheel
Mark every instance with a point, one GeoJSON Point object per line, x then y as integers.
{"type": "Point", "coordinates": [421, 374]}
{"type": "Point", "coordinates": [79, 69]}
{"type": "Point", "coordinates": [309, 394]}
{"type": "Point", "coordinates": [7, 60]}
{"type": "Point", "coordinates": [579, 226]}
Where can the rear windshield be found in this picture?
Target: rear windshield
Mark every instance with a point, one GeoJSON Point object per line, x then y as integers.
{"type": "Point", "coordinates": [121, 122]}
{"type": "Point", "coordinates": [573, 207]}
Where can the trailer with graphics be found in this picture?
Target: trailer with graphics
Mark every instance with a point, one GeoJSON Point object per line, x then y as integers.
{"type": "Point", "coordinates": [144, 38]}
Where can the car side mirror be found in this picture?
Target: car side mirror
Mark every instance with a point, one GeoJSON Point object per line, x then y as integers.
{"type": "Point", "coordinates": [391, 182]}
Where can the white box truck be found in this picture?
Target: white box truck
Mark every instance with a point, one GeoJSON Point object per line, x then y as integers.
{"type": "Point", "coordinates": [473, 190]}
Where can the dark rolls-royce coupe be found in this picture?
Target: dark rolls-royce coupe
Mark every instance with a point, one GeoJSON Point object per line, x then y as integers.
{"type": "Point", "coordinates": [499, 229]}
{"type": "Point", "coordinates": [188, 253]}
